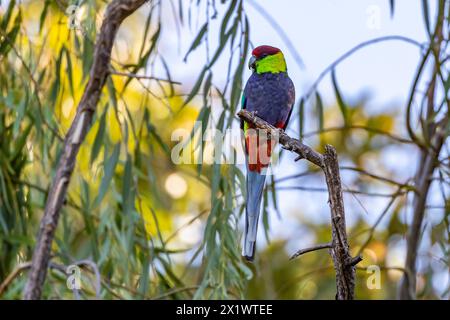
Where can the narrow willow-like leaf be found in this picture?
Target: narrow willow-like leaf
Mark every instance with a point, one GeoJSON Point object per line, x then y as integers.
{"type": "Point", "coordinates": [57, 82]}
{"type": "Point", "coordinates": [273, 194]}
{"type": "Point", "coordinates": [196, 87]}
{"type": "Point", "coordinates": [109, 168]}
{"type": "Point", "coordinates": [226, 18]}
{"type": "Point", "coordinates": [88, 221]}
{"type": "Point", "coordinates": [11, 36]}
{"type": "Point", "coordinates": [197, 40]}
{"type": "Point", "coordinates": [265, 216]}
{"type": "Point", "coordinates": [301, 117]}
{"type": "Point", "coordinates": [342, 106]}
{"type": "Point", "coordinates": [8, 14]}
{"type": "Point", "coordinates": [87, 56]}
{"type": "Point", "coordinates": [203, 118]}
{"type": "Point", "coordinates": [99, 137]}
{"type": "Point", "coordinates": [43, 15]}
{"type": "Point", "coordinates": [392, 7]}
{"type": "Point", "coordinates": [319, 111]}
{"type": "Point", "coordinates": [69, 70]}
{"type": "Point", "coordinates": [127, 199]}
{"type": "Point", "coordinates": [447, 85]}
{"type": "Point", "coordinates": [426, 16]}
{"type": "Point", "coordinates": [169, 77]}
{"type": "Point", "coordinates": [20, 113]}
{"type": "Point", "coordinates": [152, 130]}
{"type": "Point", "coordinates": [144, 58]}
{"type": "Point", "coordinates": [19, 143]}
{"type": "Point", "coordinates": [112, 92]}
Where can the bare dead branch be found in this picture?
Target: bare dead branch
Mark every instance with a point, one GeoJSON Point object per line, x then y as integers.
{"type": "Point", "coordinates": [116, 12]}
{"type": "Point", "coordinates": [19, 269]}
{"type": "Point", "coordinates": [344, 264]}
{"type": "Point", "coordinates": [287, 142]}
{"type": "Point", "coordinates": [340, 251]}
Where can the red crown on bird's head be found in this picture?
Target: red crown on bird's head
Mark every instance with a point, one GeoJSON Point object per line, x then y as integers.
{"type": "Point", "coordinates": [264, 50]}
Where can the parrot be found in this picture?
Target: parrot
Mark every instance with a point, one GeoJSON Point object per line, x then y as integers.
{"type": "Point", "coordinates": [270, 94]}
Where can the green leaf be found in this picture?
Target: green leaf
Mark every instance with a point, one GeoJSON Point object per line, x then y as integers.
{"type": "Point", "coordinates": [20, 113]}
{"type": "Point", "coordinates": [203, 118]}
{"type": "Point", "coordinates": [99, 137]}
{"type": "Point", "coordinates": [19, 143]}
{"type": "Point", "coordinates": [196, 87]}
{"type": "Point", "coordinates": [206, 88]}
{"type": "Point", "coordinates": [197, 40]}
{"type": "Point", "coordinates": [87, 56]}
{"type": "Point", "coordinates": [225, 20]}
{"type": "Point", "coordinates": [167, 71]}
{"type": "Point", "coordinates": [447, 85]}
{"type": "Point", "coordinates": [43, 15]}
{"type": "Point", "coordinates": [57, 82]}
{"type": "Point", "coordinates": [109, 168]}
{"type": "Point", "coordinates": [144, 58]}
{"type": "Point", "coordinates": [342, 106]}
{"type": "Point", "coordinates": [215, 180]}
{"type": "Point", "coordinates": [152, 130]}
{"type": "Point", "coordinates": [265, 217]}
{"type": "Point", "coordinates": [301, 117]}
{"type": "Point", "coordinates": [69, 70]}
{"type": "Point", "coordinates": [127, 188]}
{"type": "Point", "coordinates": [5, 46]}
{"type": "Point", "coordinates": [248, 273]}
{"type": "Point", "coordinates": [319, 110]}
{"type": "Point", "coordinates": [392, 7]}
{"type": "Point", "coordinates": [112, 92]}
{"type": "Point", "coordinates": [8, 14]}
{"type": "Point", "coordinates": [426, 16]}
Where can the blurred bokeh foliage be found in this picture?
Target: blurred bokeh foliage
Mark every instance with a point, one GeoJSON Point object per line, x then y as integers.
{"type": "Point", "coordinates": [139, 225]}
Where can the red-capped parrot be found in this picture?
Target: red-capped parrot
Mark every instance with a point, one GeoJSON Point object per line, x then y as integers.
{"type": "Point", "coordinates": [269, 93]}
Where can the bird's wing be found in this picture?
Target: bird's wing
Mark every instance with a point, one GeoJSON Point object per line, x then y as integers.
{"type": "Point", "coordinates": [243, 106]}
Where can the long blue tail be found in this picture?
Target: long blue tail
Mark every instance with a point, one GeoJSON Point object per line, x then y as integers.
{"type": "Point", "coordinates": [255, 186]}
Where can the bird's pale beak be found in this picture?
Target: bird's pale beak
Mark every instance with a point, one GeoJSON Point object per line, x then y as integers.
{"type": "Point", "coordinates": [251, 63]}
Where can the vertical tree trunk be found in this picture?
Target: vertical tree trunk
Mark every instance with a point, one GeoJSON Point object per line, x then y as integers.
{"type": "Point", "coordinates": [116, 12]}
{"type": "Point", "coordinates": [344, 265]}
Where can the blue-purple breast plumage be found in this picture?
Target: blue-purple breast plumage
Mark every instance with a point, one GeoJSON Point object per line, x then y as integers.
{"type": "Point", "coordinates": [271, 95]}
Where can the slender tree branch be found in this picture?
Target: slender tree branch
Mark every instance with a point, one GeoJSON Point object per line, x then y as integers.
{"type": "Point", "coordinates": [360, 127]}
{"type": "Point", "coordinates": [344, 263]}
{"type": "Point", "coordinates": [353, 50]}
{"type": "Point", "coordinates": [138, 76]}
{"type": "Point", "coordinates": [310, 249]}
{"type": "Point", "coordinates": [317, 189]}
{"type": "Point", "coordinates": [116, 12]}
{"type": "Point", "coordinates": [19, 269]}
{"type": "Point", "coordinates": [377, 177]}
